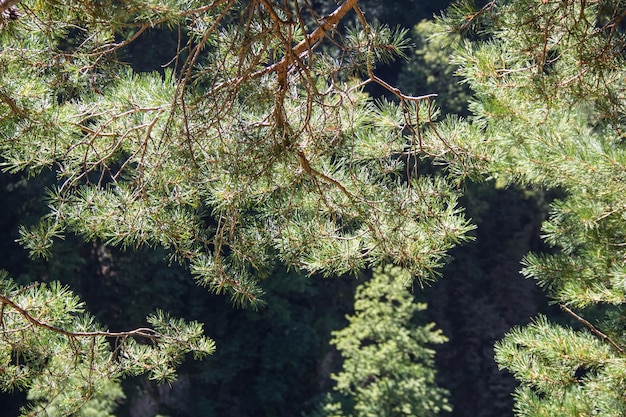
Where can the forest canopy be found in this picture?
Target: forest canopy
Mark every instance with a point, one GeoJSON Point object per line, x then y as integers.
{"type": "Point", "coordinates": [258, 144]}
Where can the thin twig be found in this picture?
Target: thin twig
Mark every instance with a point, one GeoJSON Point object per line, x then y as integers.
{"type": "Point", "coordinates": [141, 332]}
{"type": "Point", "coordinates": [592, 328]}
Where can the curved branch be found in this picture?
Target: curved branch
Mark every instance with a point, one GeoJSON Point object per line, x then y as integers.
{"type": "Point", "coordinates": [302, 49]}
{"type": "Point", "coordinates": [141, 332]}
{"type": "Point", "coordinates": [9, 101]}
{"type": "Point", "coordinates": [306, 165]}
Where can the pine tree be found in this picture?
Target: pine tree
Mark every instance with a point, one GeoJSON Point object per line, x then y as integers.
{"type": "Point", "coordinates": [549, 112]}
{"type": "Point", "coordinates": [388, 367]}
{"type": "Point", "coordinates": [255, 144]}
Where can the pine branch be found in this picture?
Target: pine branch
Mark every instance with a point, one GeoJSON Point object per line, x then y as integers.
{"type": "Point", "coordinates": [306, 165]}
{"type": "Point", "coordinates": [472, 17]}
{"type": "Point", "coordinates": [141, 332]}
{"type": "Point", "coordinates": [592, 328]}
{"type": "Point", "coordinates": [301, 50]}
{"type": "Point", "coordinates": [9, 101]}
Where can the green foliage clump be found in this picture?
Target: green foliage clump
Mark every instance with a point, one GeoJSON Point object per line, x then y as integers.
{"type": "Point", "coordinates": [549, 112]}
{"type": "Point", "coordinates": [67, 361]}
{"type": "Point", "coordinates": [388, 367]}
{"type": "Point", "coordinates": [578, 370]}
{"type": "Point", "coordinates": [255, 147]}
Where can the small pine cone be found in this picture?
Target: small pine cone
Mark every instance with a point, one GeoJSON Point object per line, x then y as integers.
{"type": "Point", "coordinates": [11, 13]}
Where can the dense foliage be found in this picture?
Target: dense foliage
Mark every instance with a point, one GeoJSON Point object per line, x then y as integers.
{"type": "Point", "coordinates": [249, 141]}
{"type": "Point", "coordinates": [64, 358]}
{"type": "Point", "coordinates": [250, 149]}
{"type": "Point", "coordinates": [388, 367]}
{"type": "Point", "coordinates": [549, 111]}
{"type": "Point", "coordinates": [255, 146]}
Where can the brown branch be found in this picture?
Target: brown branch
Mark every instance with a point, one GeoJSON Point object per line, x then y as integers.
{"type": "Point", "coordinates": [592, 328]}
{"type": "Point", "coordinates": [141, 332]}
{"type": "Point", "coordinates": [306, 165]}
{"type": "Point", "coordinates": [299, 51]}
{"type": "Point", "coordinates": [397, 92]}
{"type": "Point", "coordinates": [9, 101]}
{"type": "Point", "coordinates": [303, 48]}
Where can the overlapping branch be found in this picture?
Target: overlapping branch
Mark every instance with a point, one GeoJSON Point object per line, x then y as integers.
{"type": "Point", "coordinates": [593, 329]}
{"type": "Point", "coordinates": [140, 332]}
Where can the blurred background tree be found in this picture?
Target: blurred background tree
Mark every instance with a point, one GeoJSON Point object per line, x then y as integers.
{"type": "Point", "coordinates": [388, 364]}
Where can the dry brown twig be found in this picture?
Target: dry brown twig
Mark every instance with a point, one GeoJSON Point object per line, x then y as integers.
{"type": "Point", "coordinates": [593, 329]}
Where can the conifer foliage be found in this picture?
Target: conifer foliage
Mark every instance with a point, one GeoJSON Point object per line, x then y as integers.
{"type": "Point", "coordinates": [256, 143]}
{"type": "Point", "coordinates": [388, 367]}
{"type": "Point", "coordinates": [57, 351]}
{"type": "Point", "coordinates": [549, 110]}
